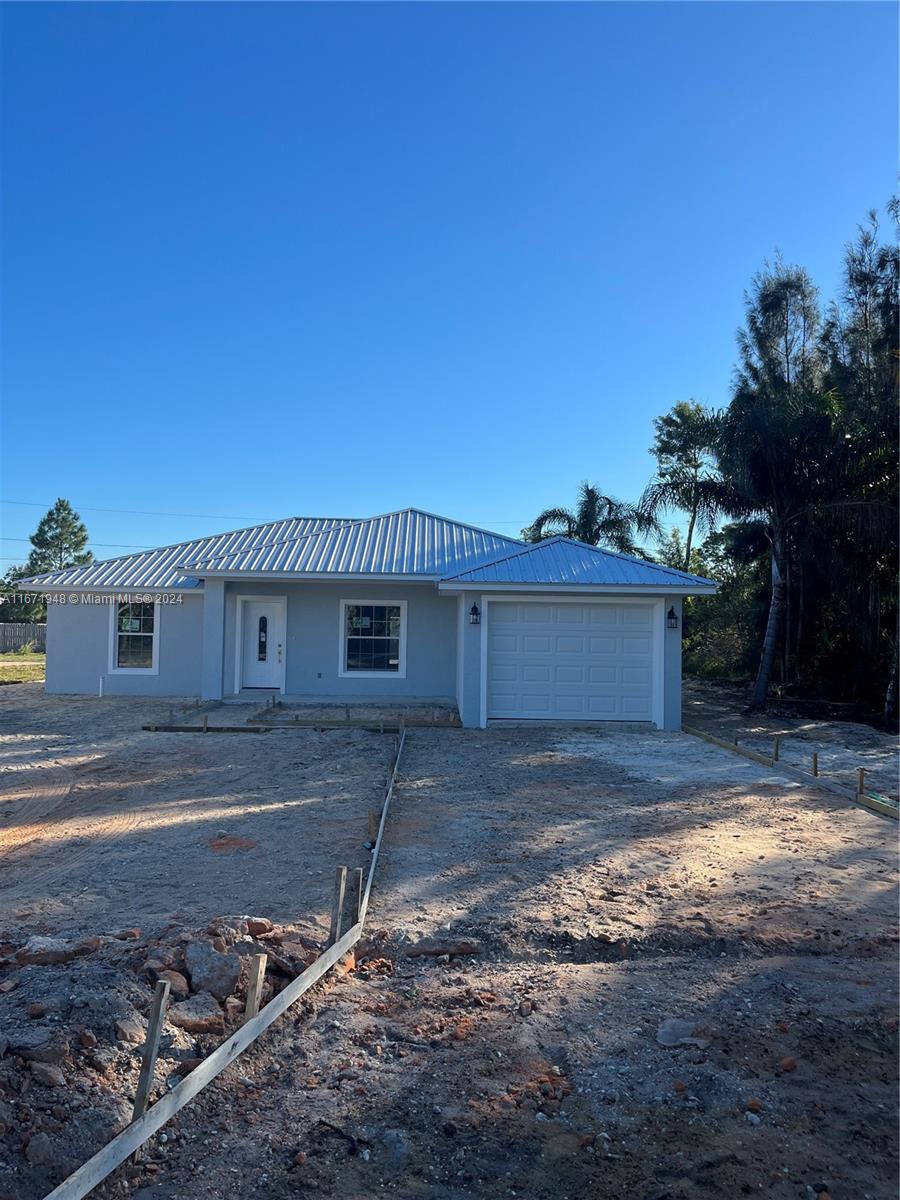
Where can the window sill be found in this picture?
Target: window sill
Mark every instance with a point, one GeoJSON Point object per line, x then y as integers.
{"type": "Point", "coordinates": [371, 674]}
{"type": "Point", "coordinates": [133, 671]}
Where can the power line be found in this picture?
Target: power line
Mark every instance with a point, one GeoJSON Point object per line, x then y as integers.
{"type": "Point", "coordinates": [135, 512]}
{"type": "Point", "coordinates": [106, 545]}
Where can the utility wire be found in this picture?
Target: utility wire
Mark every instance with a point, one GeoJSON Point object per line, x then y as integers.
{"type": "Point", "coordinates": [134, 512]}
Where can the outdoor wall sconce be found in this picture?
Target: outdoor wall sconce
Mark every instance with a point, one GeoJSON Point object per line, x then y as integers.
{"type": "Point", "coordinates": [672, 618]}
{"type": "Point", "coordinates": [474, 615]}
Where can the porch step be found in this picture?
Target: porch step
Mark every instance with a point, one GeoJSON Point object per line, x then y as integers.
{"type": "Point", "coordinates": [359, 712]}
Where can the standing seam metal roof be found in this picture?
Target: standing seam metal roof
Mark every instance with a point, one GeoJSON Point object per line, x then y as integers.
{"type": "Point", "coordinates": [162, 568]}
{"type": "Point", "coordinates": [409, 542]}
{"type": "Point", "coordinates": [565, 561]}
{"type": "Point", "coordinates": [405, 543]}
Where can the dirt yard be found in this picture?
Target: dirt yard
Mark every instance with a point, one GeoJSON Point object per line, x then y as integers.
{"type": "Point", "coordinates": [842, 746]}
{"type": "Point", "coordinates": [684, 983]}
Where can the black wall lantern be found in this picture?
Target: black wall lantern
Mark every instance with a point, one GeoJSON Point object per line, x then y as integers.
{"type": "Point", "coordinates": [672, 618]}
{"type": "Point", "coordinates": [474, 615]}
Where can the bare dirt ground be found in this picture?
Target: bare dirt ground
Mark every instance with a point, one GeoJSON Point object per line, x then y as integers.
{"type": "Point", "coordinates": [842, 746]}
{"type": "Point", "coordinates": [103, 825]}
{"type": "Point", "coordinates": [615, 883]}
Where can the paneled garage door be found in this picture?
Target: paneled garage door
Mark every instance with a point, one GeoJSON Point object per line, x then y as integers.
{"type": "Point", "coordinates": [589, 662]}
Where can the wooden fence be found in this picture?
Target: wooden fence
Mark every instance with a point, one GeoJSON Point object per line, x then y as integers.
{"type": "Point", "coordinates": [16, 634]}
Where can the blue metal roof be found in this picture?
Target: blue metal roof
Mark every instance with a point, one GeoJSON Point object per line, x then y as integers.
{"type": "Point", "coordinates": [162, 568]}
{"type": "Point", "coordinates": [566, 562]}
{"type": "Point", "coordinates": [409, 542]}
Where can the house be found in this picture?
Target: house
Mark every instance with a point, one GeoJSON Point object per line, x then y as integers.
{"type": "Point", "coordinates": [405, 606]}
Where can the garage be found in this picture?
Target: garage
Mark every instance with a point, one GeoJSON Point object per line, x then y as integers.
{"type": "Point", "coordinates": [593, 661]}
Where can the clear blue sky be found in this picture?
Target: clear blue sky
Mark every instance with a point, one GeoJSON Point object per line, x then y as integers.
{"type": "Point", "coordinates": [263, 260]}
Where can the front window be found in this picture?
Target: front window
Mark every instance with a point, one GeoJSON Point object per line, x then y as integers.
{"type": "Point", "coordinates": [373, 638]}
{"type": "Point", "coordinates": [134, 637]}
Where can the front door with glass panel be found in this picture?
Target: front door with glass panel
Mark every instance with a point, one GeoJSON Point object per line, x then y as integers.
{"type": "Point", "coordinates": [262, 641]}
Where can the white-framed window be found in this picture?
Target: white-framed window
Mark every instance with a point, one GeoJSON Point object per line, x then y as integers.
{"type": "Point", "coordinates": [134, 639]}
{"type": "Point", "coordinates": [373, 639]}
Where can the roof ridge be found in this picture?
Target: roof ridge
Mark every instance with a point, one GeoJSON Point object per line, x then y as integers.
{"type": "Point", "coordinates": [340, 523]}
{"type": "Point", "coordinates": [525, 548]}
{"type": "Point", "coordinates": [395, 512]}
{"type": "Point", "coordinates": [532, 547]}
{"type": "Point", "coordinates": [462, 524]}
{"type": "Point", "coordinates": [98, 562]}
{"type": "Point", "coordinates": [644, 562]}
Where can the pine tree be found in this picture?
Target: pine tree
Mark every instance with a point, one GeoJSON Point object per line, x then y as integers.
{"type": "Point", "coordinates": [59, 541]}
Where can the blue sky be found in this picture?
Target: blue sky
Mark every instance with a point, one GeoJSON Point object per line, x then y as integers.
{"type": "Point", "coordinates": [263, 260]}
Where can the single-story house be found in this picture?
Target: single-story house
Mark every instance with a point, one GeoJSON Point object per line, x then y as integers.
{"type": "Point", "coordinates": [400, 607]}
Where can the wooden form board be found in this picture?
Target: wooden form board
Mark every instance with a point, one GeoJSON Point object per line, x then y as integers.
{"type": "Point", "coordinates": [814, 781]}
{"type": "Point", "coordinates": [114, 1153]}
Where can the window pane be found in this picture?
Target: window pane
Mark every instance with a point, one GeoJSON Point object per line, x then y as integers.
{"type": "Point", "coordinates": [135, 618]}
{"type": "Point", "coordinates": [372, 637]}
{"type": "Point", "coordinates": [134, 650]}
{"type": "Point", "coordinates": [373, 654]}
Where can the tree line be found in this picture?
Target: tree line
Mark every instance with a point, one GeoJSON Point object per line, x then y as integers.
{"type": "Point", "coordinates": [789, 493]}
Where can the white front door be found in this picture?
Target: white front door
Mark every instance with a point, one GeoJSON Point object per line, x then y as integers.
{"type": "Point", "coordinates": [262, 643]}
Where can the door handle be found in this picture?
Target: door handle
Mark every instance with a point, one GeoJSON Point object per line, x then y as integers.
{"type": "Point", "coordinates": [279, 652]}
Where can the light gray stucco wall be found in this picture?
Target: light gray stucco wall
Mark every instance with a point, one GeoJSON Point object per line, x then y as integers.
{"type": "Point", "coordinates": [672, 668]}
{"type": "Point", "coordinates": [314, 638]}
{"type": "Point", "coordinates": [212, 682]}
{"type": "Point", "coordinates": [78, 651]}
{"type": "Point", "coordinates": [469, 675]}
{"type": "Point", "coordinates": [197, 646]}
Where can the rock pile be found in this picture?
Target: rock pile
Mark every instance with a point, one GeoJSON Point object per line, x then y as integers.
{"type": "Point", "coordinates": [73, 1020]}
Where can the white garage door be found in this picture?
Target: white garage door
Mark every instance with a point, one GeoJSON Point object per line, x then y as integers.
{"type": "Point", "coordinates": [589, 662]}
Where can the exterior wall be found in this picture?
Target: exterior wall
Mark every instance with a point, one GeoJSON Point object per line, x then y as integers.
{"type": "Point", "coordinates": [469, 665]}
{"type": "Point", "coordinates": [197, 646]}
{"type": "Point", "coordinates": [672, 668]}
{"type": "Point", "coordinates": [212, 682]}
{"type": "Point", "coordinates": [469, 682]}
{"type": "Point", "coordinates": [313, 638]}
{"type": "Point", "coordinates": [78, 651]}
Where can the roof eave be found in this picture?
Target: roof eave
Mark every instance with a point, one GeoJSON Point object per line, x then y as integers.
{"type": "Point", "coordinates": [23, 585]}
{"type": "Point", "coordinates": [454, 586]}
{"type": "Point", "coordinates": [327, 576]}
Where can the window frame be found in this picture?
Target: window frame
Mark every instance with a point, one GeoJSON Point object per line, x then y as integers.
{"type": "Point", "coordinates": [343, 672]}
{"type": "Point", "coordinates": [114, 668]}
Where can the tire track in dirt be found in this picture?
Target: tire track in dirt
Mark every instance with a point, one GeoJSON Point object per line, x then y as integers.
{"type": "Point", "coordinates": [34, 794]}
{"type": "Point", "coordinates": [85, 831]}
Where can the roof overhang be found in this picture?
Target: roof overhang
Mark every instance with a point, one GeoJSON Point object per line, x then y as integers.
{"type": "Point", "coordinates": [454, 587]}
{"type": "Point", "coordinates": [130, 589]}
{"type": "Point", "coordinates": [315, 576]}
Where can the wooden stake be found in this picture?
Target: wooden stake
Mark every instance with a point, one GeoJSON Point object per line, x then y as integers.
{"type": "Point", "coordinates": [206, 723]}
{"type": "Point", "coordinates": [151, 1049]}
{"type": "Point", "coordinates": [337, 910]}
{"type": "Point", "coordinates": [114, 1153]}
{"type": "Point", "coordinates": [776, 747]}
{"type": "Point", "coordinates": [356, 890]}
{"type": "Point", "coordinates": [254, 985]}
{"type": "Point", "coordinates": [373, 827]}
{"type": "Point", "coordinates": [861, 785]}
{"type": "Point", "coordinates": [815, 762]}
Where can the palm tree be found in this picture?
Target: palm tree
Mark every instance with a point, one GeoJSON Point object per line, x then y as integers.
{"type": "Point", "coordinates": [596, 519]}
{"type": "Point", "coordinates": [686, 477]}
